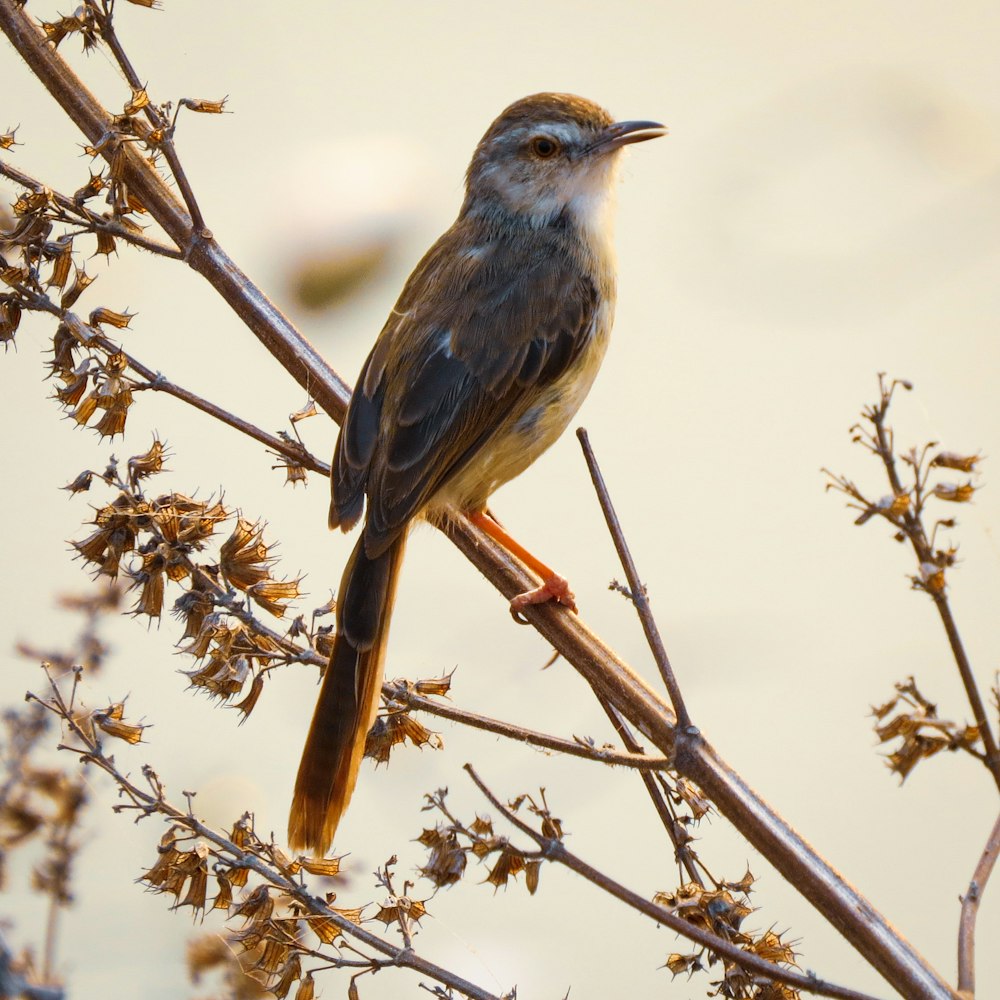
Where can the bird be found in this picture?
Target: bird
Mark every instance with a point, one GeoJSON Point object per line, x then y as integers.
{"type": "Point", "coordinates": [486, 356]}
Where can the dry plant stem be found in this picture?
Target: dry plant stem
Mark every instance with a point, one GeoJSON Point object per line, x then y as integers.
{"type": "Point", "coordinates": [90, 219]}
{"type": "Point", "coordinates": [106, 21]}
{"type": "Point", "coordinates": [656, 796]}
{"type": "Point", "coordinates": [970, 910]}
{"type": "Point", "coordinates": [554, 850]}
{"type": "Point", "coordinates": [864, 928]}
{"type": "Point", "coordinates": [395, 692]}
{"type": "Point", "coordinates": [971, 688]}
{"type": "Point", "coordinates": [921, 547]}
{"type": "Point", "coordinates": [157, 382]}
{"type": "Point", "coordinates": [149, 804]}
{"type": "Point", "coordinates": [292, 351]}
{"type": "Point", "coordinates": [639, 599]}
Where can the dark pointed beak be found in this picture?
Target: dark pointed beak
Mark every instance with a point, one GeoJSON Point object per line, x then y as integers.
{"type": "Point", "coordinates": [623, 133]}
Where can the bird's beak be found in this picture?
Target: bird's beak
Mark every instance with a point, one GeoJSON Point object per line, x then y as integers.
{"type": "Point", "coordinates": [623, 133]}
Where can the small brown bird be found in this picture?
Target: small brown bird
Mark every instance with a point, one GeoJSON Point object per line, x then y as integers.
{"type": "Point", "coordinates": [490, 350]}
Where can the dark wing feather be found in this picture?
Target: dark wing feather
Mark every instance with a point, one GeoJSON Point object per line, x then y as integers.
{"type": "Point", "coordinates": [355, 448]}
{"type": "Point", "coordinates": [472, 338]}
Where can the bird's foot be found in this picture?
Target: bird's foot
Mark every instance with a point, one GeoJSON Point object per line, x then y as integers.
{"type": "Point", "coordinates": [555, 588]}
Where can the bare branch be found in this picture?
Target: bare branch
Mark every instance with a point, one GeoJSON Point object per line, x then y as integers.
{"type": "Point", "coordinates": [638, 589]}
{"type": "Point", "coordinates": [970, 910]}
{"type": "Point", "coordinates": [397, 691]}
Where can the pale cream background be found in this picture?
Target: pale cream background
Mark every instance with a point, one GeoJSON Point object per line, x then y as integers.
{"type": "Point", "coordinates": [826, 206]}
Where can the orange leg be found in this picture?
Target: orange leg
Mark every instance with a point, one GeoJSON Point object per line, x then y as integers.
{"type": "Point", "coordinates": [554, 587]}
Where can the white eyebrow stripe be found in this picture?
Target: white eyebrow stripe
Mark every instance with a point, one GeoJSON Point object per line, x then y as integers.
{"type": "Point", "coordinates": [564, 132]}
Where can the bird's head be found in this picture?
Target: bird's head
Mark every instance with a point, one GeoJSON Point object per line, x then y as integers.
{"type": "Point", "coordinates": [548, 154]}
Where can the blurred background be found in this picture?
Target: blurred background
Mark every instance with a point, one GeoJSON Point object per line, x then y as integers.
{"type": "Point", "coordinates": [827, 206]}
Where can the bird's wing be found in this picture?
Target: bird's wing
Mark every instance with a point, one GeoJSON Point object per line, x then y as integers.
{"type": "Point", "coordinates": [472, 339]}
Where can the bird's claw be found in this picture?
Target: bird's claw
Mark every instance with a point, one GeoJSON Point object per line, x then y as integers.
{"type": "Point", "coordinates": [555, 588]}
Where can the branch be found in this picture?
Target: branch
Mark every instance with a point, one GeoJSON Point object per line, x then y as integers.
{"type": "Point", "coordinates": [913, 528]}
{"type": "Point", "coordinates": [683, 854]}
{"type": "Point", "coordinates": [156, 382]}
{"type": "Point", "coordinates": [202, 253]}
{"type": "Point", "coordinates": [91, 220]}
{"type": "Point", "coordinates": [397, 691]}
{"type": "Point", "coordinates": [970, 910]}
{"type": "Point", "coordinates": [554, 850]}
{"type": "Point", "coordinates": [637, 589]}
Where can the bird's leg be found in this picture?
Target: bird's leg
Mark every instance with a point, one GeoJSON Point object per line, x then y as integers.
{"type": "Point", "coordinates": [554, 587]}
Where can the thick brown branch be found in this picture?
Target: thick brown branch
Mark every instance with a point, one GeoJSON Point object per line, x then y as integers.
{"type": "Point", "coordinates": [860, 923]}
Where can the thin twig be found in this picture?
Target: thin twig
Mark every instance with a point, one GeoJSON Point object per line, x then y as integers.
{"type": "Point", "coordinates": [397, 691]}
{"type": "Point", "coordinates": [106, 22]}
{"type": "Point", "coordinates": [970, 910]}
{"type": "Point", "coordinates": [914, 530]}
{"type": "Point", "coordinates": [91, 219]}
{"type": "Point", "coordinates": [554, 850]}
{"type": "Point", "coordinates": [159, 383]}
{"type": "Point", "coordinates": [660, 802]}
{"type": "Point", "coordinates": [639, 599]}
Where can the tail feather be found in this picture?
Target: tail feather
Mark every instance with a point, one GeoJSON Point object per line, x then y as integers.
{"type": "Point", "coordinates": [348, 698]}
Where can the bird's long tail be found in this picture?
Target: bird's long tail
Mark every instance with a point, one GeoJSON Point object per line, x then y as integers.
{"type": "Point", "coordinates": [348, 698]}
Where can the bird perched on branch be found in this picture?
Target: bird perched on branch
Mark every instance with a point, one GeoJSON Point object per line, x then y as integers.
{"type": "Point", "coordinates": [484, 360]}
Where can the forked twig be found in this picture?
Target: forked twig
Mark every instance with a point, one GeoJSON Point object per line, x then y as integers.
{"type": "Point", "coordinates": [970, 910]}
{"type": "Point", "coordinates": [553, 849]}
{"type": "Point", "coordinates": [638, 590]}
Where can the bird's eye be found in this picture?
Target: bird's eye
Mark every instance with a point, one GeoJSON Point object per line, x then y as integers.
{"type": "Point", "coordinates": [544, 147]}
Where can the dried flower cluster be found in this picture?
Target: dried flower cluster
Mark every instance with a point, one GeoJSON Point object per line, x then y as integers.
{"type": "Point", "coordinates": [905, 506]}
{"type": "Point", "coordinates": [913, 720]}
{"type": "Point", "coordinates": [722, 911]}
{"type": "Point", "coordinates": [278, 923]}
{"type": "Point", "coordinates": [167, 539]}
{"type": "Point", "coordinates": [450, 843]}
{"type": "Point", "coordinates": [51, 233]}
